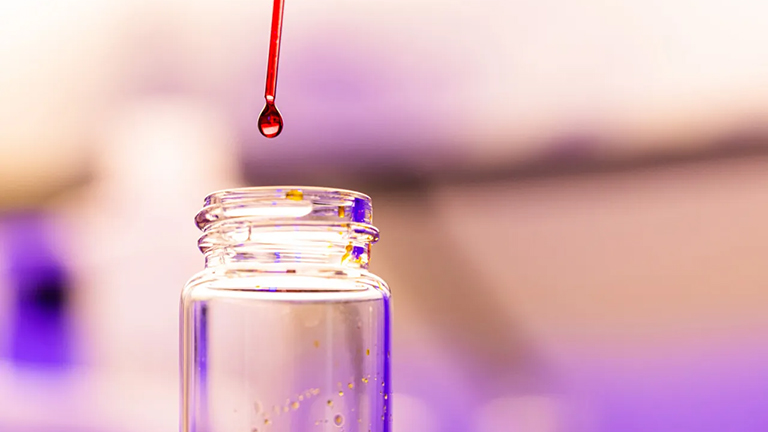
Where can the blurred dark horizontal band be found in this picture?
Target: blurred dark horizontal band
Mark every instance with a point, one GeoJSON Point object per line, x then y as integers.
{"type": "Point", "coordinates": [402, 175]}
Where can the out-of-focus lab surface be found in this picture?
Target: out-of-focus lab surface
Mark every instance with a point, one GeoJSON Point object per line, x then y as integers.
{"type": "Point", "coordinates": [572, 197]}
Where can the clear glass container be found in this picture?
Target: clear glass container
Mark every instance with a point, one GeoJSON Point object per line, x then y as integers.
{"type": "Point", "coordinates": [285, 329]}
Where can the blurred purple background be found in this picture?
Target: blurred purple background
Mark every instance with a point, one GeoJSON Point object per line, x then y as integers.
{"type": "Point", "coordinates": [572, 198]}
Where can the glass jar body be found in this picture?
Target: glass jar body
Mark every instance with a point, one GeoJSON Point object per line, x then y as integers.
{"type": "Point", "coordinates": [285, 347]}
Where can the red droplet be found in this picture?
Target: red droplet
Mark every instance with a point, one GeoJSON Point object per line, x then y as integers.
{"type": "Point", "coordinates": [270, 121]}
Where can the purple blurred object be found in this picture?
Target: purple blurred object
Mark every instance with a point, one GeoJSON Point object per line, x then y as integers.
{"type": "Point", "coordinates": [40, 330]}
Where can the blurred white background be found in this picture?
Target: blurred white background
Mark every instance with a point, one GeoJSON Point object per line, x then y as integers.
{"type": "Point", "coordinates": [571, 197]}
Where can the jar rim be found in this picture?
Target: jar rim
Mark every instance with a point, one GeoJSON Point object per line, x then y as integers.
{"type": "Point", "coordinates": [285, 204]}
{"type": "Point", "coordinates": [279, 192]}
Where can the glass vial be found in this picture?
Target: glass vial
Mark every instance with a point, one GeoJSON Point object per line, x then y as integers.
{"type": "Point", "coordinates": [285, 330]}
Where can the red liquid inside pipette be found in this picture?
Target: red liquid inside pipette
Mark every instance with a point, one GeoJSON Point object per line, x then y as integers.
{"type": "Point", "coordinates": [270, 120]}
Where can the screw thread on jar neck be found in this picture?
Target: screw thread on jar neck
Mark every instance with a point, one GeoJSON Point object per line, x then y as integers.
{"type": "Point", "coordinates": [286, 226]}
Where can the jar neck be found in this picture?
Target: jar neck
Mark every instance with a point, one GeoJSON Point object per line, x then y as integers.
{"type": "Point", "coordinates": [286, 227]}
